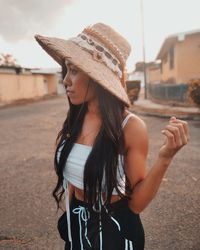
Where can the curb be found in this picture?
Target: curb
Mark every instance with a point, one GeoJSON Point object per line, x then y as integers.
{"type": "Point", "coordinates": [165, 113]}
{"type": "Point", "coordinates": [22, 102]}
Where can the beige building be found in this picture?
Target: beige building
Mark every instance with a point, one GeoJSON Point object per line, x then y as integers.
{"type": "Point", "coordinates": [18, 83]}
{"type": "Point", "coordinates": [153, 72]}
{"type": "Point", "coordinates": [180, 58]}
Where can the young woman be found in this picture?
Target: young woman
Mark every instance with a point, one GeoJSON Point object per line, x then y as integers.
{"type": "Point", "coordinates": [101, 153]}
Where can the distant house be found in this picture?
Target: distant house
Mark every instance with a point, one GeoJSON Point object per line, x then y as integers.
{"type": "Point", "coordinates": [153, 72]}
{"type": "Point", "coordinates": [180, 57]}
{"type": "Point", "coordinates": [137, 74]}
{"type": "Point", "coordinates": [52, 79]}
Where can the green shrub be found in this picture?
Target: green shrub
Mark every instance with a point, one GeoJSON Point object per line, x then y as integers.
{"type": "Point", "coordinates": [194, 91]}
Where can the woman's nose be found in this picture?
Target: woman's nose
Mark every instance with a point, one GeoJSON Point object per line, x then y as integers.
{"type": "Point", "coordinates": [67, 81]}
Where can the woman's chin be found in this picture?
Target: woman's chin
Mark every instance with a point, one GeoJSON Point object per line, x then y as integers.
{"type": "Point", "coordinates": [76, 102]}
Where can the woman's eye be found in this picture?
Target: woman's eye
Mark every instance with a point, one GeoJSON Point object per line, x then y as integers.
{"type": "Point", "coordinates": [74, 71]}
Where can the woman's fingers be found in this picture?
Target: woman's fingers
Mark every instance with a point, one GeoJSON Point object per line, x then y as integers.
{"type": "Point", "coordinates": [176, 133]}
{"type": "Point", "coordinates": [179, 130]}
{"type": "Point", "coordinates": [180, 127]}
{"type": "Point", "coordinates": [170, 137]}
{"type": "Point", "coordinates": [184, 124]}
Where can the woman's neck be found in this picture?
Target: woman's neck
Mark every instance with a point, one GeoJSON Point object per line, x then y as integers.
{"type": "Point", "coordinates": [93, 108]}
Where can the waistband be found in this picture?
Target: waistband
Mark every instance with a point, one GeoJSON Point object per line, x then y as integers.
{"type": "Point", "coordinates": [112, 206]}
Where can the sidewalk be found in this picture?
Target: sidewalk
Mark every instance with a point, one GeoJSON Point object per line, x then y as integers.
{"type": "Point", "coordinates": [141, 106]}
{"type": "Point", "coordinates": [147, 107]}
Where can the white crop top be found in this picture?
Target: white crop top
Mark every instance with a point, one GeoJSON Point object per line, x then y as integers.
{"type": "Point", "coordinates": [74, 169]}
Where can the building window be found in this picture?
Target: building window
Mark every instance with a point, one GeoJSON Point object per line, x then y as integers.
{"type": "Point", "coordinates": [171, 57]}
{"type": "Point", "coordinates": [161, 67]}
{"type": "Point", "coordinates": [164, 60]}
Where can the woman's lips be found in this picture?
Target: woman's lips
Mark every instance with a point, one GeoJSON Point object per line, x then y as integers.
{"type": "Point", "coordinates": [69, 93]}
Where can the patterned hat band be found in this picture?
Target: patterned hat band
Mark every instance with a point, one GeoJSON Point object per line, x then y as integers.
{"type": "Point", "coordinates": [99, 53]}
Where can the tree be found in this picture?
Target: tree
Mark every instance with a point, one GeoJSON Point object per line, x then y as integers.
{"type": "Point", "coordinates": [7, 60]}
{"type": "Point", "coordinates": [194, 91]}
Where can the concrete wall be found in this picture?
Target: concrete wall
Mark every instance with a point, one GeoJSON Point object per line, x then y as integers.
{"type": "Point", "coordinates": [51, 81]}
{"type": "Point", "coordinates": [23, 86]}
{"type": "Point", "coordinates": [153, 75]}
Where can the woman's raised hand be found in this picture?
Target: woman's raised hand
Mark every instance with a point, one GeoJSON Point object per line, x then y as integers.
{"type": "Point", "coordinates": [177, 135]}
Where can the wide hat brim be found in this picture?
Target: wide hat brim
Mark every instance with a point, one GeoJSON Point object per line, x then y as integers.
{"type": "Point", "coordinates": [61, 50]}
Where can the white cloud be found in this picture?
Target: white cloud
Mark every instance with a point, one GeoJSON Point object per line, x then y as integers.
{"type": "Point", "coordinates": [20, 19]}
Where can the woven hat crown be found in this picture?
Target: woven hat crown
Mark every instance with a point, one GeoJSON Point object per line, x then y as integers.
{"type": "Point", "coordinates": [112, 39]}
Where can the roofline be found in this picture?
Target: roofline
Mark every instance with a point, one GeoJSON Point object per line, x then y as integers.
{"type": "Point", "coordinates": [46, 71]}
{"type": "Point", "coordinates": [10, 67]}
{"type": "Point", "coordinates": [185, 33]}
{"type": "Point", "coordinates": [172, 39]}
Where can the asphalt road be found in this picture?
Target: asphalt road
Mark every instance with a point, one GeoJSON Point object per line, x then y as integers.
{"type": "Point", "coordinates": [28, 212]}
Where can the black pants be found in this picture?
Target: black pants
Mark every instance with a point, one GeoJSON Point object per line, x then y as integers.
{"type": "Point", "coordinates": [115, 228]}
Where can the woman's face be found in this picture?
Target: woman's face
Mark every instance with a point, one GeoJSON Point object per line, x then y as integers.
{"type": "Point", "coordinates": [78, 85]}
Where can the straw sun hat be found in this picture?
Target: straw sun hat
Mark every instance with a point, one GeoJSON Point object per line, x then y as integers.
{"type": "Point", "coordinates": [99, 51]}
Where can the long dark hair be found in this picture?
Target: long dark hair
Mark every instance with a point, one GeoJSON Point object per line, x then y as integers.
{"type": "Point", "coordinates": [104, 157]}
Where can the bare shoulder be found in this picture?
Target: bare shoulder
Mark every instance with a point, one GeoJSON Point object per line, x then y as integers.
{"type": "Point", "coordinates": [134, 121]}
{"type": "Point", "coordinates": [134, 125]}
{"type": "Point", "coordinates": [135, 132]}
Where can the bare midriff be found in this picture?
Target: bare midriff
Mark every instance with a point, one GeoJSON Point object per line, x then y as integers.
{"type": "Point", "coordinates": [80, 196]}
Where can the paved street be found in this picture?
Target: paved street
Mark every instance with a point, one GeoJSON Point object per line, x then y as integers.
{"type": "Point", "coordinates": [28, 212]}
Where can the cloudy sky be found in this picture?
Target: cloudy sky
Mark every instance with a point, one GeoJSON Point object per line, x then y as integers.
{"type": "Point", "coordinates": [21, 19]}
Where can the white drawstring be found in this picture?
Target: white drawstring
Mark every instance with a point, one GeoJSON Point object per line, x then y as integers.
{"type": "Point", "coordinates": [98, 210]}
{"type": "Point", "coordinates": [65, 185]}
{"type": "Point", "coordinates": [131, 245]}
{"type": "Point", "coordinates": [100, 228]}
{"type": "Point", "coordinates": [128, 245]}
{"type": "Point", "coordinates": [84, 215]}
{"type": "Point", "coordinates": [100, 223]}
{"type": "Point", "coordinates": [116, 222]}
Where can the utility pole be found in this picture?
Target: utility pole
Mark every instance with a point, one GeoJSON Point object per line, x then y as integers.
{"type": "Point", "coordinates": [143, 50]}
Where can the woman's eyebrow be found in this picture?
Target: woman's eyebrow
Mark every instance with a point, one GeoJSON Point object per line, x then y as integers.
{"type": "Point", "coordinates": [68, 64]}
